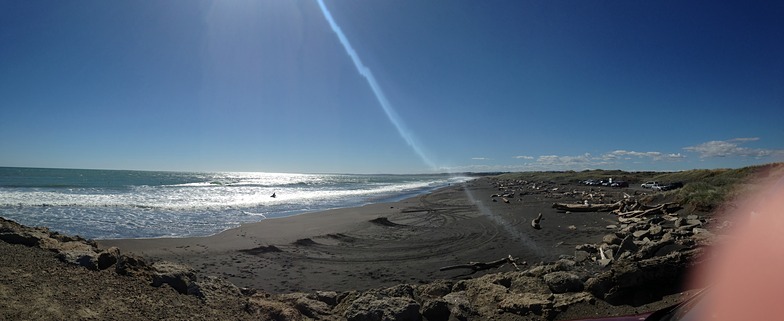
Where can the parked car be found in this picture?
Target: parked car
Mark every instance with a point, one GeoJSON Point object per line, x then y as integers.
{"type": "Point", "coordinates": [667, 187]}
{"type": "Point", "coordinates": [619, 184]}
{"type": "Point", "coordinates": [591, 182]}
{"type": "Point", "coordinates": [649, 184]}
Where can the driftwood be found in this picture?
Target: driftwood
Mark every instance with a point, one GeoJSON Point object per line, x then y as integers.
{"type": "Point", "coordinates": [587, 207]}
{"type": "Point", "coordinates": [624, 208]}
{"type": "Point", "coordinates": [665, 208]}
{"type": "Point", "coordinates": [535, 222]}
{"type": "Point", "coordinates": [479, 266]}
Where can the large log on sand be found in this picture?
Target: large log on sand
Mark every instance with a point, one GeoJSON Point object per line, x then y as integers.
{"type": "Point", "coordinates": [587, 207]}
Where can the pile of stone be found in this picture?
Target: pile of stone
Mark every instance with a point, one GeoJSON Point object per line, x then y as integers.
{"type": "Point", "coordinates": [79, 251]}
{"type": "Point", "coordinates": [644, 254]}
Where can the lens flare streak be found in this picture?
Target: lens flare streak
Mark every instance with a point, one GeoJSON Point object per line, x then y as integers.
{"type": "Point", "coordinates": [365, 72]}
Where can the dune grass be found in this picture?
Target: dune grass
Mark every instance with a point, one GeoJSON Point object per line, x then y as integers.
{"type": "Point", "coordinates": [704, 189]}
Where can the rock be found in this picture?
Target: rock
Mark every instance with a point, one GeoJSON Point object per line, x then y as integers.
{"type": "Point", "coordinates": [265, 309]}
{"type": "Point", "coordinates": [608, 252]}
{"type": "Point", "coordinates": [651, 248]}
{"type": "Point", "coordinates": [519, 282]}
{"type": "Point", "coordinates": [640, 234]}
{"type": "Point", "coordinates": [604, 262]}
{"type": "Point", "coordinates": [131, 265]}
{"type": "Point", "coordinates": [540, 270]}
{"type": "Point", "coordinates": [14, 237]}
{"type": "Point", "coordinates": [562, 282]}
{"type": "Point", "coordinates": [656, 220]}
{"type": "Point", "coordinates": [459, 306]}
{"type": "Point", "coordinates": [87, 259]}
{"type": "Point", "coordinates": [328, 297]}
{"type": "Point", "coordinates": [590, 248]}
{"type": "Point", "coordinates": [15, 233]}
{"type": "Point", "coordinates": [680, 222]}
{"type": "Point", "coordinates": [400, 290]}
{"type": "Point", "coordinates": [484, 296]}
{"type": "Point", "coordinates": [525, 303]}
{"type": "Point", "coordinates": [702, 235]}
{"type": "Point", "coordinates": [640, 281]}
{"type": "Point", "coordinates": [655, 230]}
{"type": "Point", "coordinates": [611, 239]}
{"type": "Point", "coordinates": [436, 310]}
{"type": "Point", "coordinates": [108, 257]}
{"type": "Point", "coordinates": [611, 227]}
{"type": "Point", "coordinates": [563, 301]}
{"type": "Point", "coordinates": [581, 256]}
{"type": "Point", "coordinates": [178, 276]}
{"type": "Point", "coordinates": [371, 308]}
{"type": "Point", "coordinates": [213, 290]}
{"type": "Point", "coordinates": [668, 236]}
{"type": "Point", "coordinates": [307, 305]}
{"type": "Point", "coordinates": [627, 245]}
{"type": "Point", "coordinates": [437, 288]}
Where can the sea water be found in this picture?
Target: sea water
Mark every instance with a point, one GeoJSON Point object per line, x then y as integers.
{"type": "Point", "coordinates": [107, 204]}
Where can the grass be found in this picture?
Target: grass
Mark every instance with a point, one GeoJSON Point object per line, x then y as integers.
{"type": "Point", "coordinates": [564, 177]}
{"type": "Point", "coordinates": [704, 189]}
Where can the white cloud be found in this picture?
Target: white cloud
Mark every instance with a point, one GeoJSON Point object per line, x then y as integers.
{"type": "Point", "coordinates": [625, 154]}
{"type": "Point", "coordinates": [744, 139]}
{"type": "Point", "coordinates": [729, 148]}
{"type": "Point", "coordinates": [480, 158]}
{"type": "Point", "coordinates": [524, 157]}
{"type": "Point", "coordinates": [554, 160]}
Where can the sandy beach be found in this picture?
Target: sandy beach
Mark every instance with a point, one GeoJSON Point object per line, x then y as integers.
{"type": "Point", "coordinates": [384, 244]}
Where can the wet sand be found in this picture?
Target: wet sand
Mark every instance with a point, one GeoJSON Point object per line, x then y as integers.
{"type": "Point", "coordinates": [385, 244]}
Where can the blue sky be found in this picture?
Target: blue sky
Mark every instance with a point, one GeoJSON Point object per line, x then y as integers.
{"type": "Point", "coordinates": [473, 86]}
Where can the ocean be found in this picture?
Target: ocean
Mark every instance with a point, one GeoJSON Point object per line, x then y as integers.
{"type": "Point", "coordinates": [108, 204]}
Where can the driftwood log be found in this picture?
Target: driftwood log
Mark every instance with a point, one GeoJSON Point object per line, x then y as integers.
{"type": "Point", "coordinates": [625, 208]}
{"type": "Point", "coordinates": [587, 207]}
{"type": "Point", "coordinates": [665, 208]}
{"type": "Point", "coordinates": [535, 222]}
{"type": "Point", "coordinates": [479, 266]}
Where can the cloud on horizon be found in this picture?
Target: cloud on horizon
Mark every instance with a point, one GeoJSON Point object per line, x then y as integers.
{"type": "Point", "coordinates": [731, 148]}
{"type": "Point", "coordinates": [612, 158]}
{"type": "Point", "coordinates": [555, 160]}
{"type": "Point", "coordinates": [623, 158]}
{"type": "Point", "coordinates": [624, 154]}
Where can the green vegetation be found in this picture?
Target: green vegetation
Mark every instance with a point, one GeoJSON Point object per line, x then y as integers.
{"type": "Point", "coordinates": [707, 189]}
{"type": "Point", "coordinates": [574, 177]}
{"type": "Point", "coordinates": [704, 189]}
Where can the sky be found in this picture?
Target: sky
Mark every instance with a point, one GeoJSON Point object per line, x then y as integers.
{"type": "Point", "coordinates": [391, 86]}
